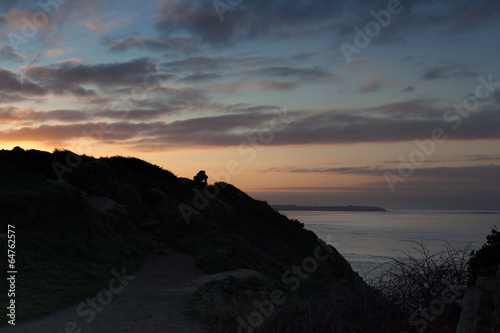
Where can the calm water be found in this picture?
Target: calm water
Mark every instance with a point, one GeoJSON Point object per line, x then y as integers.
{"type": "Point", "coordinates": [367, 239]}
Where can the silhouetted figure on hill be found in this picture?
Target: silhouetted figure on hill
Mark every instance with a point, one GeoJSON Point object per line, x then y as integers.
{"type": "Point", "coordinates": [201, 177]}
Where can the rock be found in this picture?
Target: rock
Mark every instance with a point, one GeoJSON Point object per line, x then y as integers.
{"type": "Point", "coordinates": [149, 224]}
{"type": "Point", "coordinates": [481, 306]}
{"type": "Point", "coordinates": [103, 205]}
{"type": "Point", "coordinates": [109, 211]}
{"type": "Point", "coordinates": [154, 197]}
{"type": "Point", "coordinates": [60, 183]}
{"type": "Point", "coordinates": [238, 274]}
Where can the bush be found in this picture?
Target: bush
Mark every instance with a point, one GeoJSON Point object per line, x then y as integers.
{"type": "Point", "coordinates": [215, 261]}
{"type": "Point", "coordinates": [428, 287]}
{"type": "Point", "coordinates": [485, 261]}
{"type": "Point", "coordinates": [338, 308]}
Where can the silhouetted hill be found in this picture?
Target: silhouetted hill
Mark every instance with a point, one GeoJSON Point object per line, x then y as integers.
{"type": "Point", "coordinates": [77, 217]}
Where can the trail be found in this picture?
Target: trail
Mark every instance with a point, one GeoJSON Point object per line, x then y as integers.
{"type": "Point", "coordinates": [155, 300]}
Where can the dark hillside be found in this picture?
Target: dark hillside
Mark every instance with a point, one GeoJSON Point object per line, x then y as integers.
{"type": "Point", "coordinates": [78, 217]}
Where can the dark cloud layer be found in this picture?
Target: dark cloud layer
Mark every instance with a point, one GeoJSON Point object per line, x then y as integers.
{"type": "Point", "coordinates": [257, 19]}
{"type": "Point", "coordinates": [132, 72]}
{"type": "Point", "coordinates": [249, 20]}
{"type": "Point", "coordinates": [443, 72]}
{"type": "Point", "coordinates": [378, 124]}
{"type": "Point", "coordinates": [155, 44]}
{"type": "Point", "coordinates": [11, 83]}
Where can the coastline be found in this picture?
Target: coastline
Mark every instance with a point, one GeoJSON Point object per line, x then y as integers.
{"type": "Point", "coordinates": [329, 208]}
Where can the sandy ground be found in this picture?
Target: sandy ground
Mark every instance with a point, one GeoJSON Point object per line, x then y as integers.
{"type": "Point", "coordinates": [154, 301]}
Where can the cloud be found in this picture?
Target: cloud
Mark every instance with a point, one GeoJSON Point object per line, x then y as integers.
{"type": "Point", "coordinates": [26, 116]}
{"type": "Point", "coordinates": [46, 21]}
{"type": "Point", "coordinates": [434, 72]}
{"type": "Point", "coordinates": [249, 20]}
{"type": "Point", "coordinates": [407, 90]}
{"type": "Point", "coordinates": [301, 74]}
{"type": "Point", "coordinates": [53, 53]}
{"type": "Point", "coordinates": [301, 55]}
{"type": "Point", "coordinates": [464, 188]}
{"type": "Point", "coordinates": [395, 122]}
{"type": "Point", "coordinates": [370, 85]}
{"type": "Point", "coordinates": [22, 115]}
{"type": "Point", "coordinates": [155, 44]}
{"type": "Point", "coordinates": [199, 78]}
{"type": "Point", "coordinates": [273, 85]}
{"type": "Point", "coordinates": [441, 72]}
{"type": "Point", "coordinates": [101, 23]}
{"type": "Point", "coordinates": [11, 83]}
{"type": "Point", "coordinates": [62, 133]}
{"type": "Point", "coordinates": [192, 64]}
{"type": "Point", "coordinates": [69, 76]}
{"type": "Point", "coordinates": [496, 94]}
{"type": "Point", "coordinates": [482, 157]}
{"type": "Point", "coordinates": [7, 53]}
{"type": "Point", "coordinates": [354, 170]}
{"type": "Point", "coordinates": [247, 108]}
{"type": "Point", "coordinates": [484, 176]}
{"type": "Point", "coordinates": [268, 20]}
{"type": "Point", "coordinates": [126, 73]}
{"type": "Point", "coordinates": [71, 61]}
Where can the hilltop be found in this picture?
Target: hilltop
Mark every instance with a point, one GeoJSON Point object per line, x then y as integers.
{"type": "Point", "coordinates": [78, 217]}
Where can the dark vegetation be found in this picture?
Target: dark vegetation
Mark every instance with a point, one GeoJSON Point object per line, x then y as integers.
{"type": "Point", "coordinates": [64, 251]}
{"type": "Point", "coordinates": [67, 245]}
{"type": "Point", "coordinates": [427, 285]}
{"type": "Point", "coordinates": [485, 261]}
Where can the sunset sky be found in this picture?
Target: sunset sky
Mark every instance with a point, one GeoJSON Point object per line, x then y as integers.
{"type": "Point", "coordinates": [325, 102]}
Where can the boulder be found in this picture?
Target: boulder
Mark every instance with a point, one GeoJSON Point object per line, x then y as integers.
{"type": "Point", "coordinates": [109, 211]}
{"type": "Point", "coordinates": [103, 205]}
{"type": "Point", "coordinates": [481, 306]}
{"type": "Point", "coordinates": [154, 197]}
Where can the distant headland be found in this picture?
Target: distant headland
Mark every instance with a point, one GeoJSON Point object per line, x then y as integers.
{"type": "Point", "coordinates": [329, 208]}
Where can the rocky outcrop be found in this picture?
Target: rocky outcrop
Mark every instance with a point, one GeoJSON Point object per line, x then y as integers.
{"type": "Point", "coordinates": [154, 197]}
{"type": "Point", "coordinates": [103, 205]}
{"type": "Point", "coordinates": [481, 306]}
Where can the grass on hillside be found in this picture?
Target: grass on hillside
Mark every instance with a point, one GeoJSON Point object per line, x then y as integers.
{"type": "Point", "coordinates": [63, 252]}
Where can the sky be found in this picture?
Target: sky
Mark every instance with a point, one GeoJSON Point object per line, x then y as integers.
{"type": "Point", "coordinates": [361, 102]}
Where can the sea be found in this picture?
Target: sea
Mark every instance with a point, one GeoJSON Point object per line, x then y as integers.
{"type": "Point", "coordinates": [370, 239]}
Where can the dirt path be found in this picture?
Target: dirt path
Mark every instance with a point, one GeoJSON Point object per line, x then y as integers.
{"type": "Point", "coordinates": [152, 302]}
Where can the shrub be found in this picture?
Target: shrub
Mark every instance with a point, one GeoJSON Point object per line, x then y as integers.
{"type": "Point", "coordinates": [426, 286]}
{"type": "Point", "coordinates": [485, 261]}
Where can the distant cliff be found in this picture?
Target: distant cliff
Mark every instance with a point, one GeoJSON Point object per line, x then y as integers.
{"type": "Point", "coordinates": [329, 208]}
